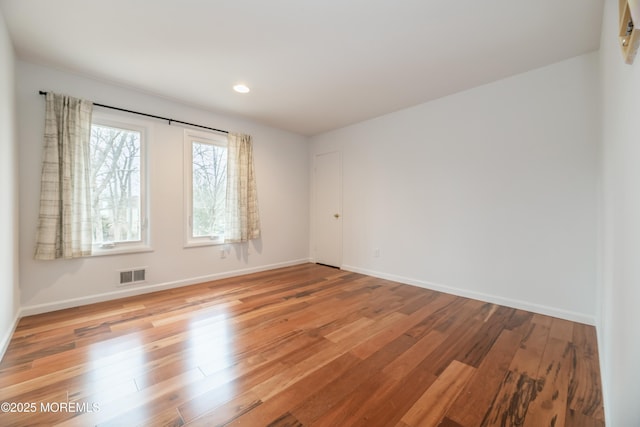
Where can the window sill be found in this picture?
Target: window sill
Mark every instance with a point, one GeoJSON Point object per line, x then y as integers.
{"type": "Point", "coordinates": [203, 243]}
{"type": "Point", "coordinates": [121, 250]}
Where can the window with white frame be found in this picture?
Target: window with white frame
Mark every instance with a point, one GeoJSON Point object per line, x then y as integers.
{"type": "Point", "coordinates": [205, 155]}
{"type": "Point", "coordinates": [119, 213]}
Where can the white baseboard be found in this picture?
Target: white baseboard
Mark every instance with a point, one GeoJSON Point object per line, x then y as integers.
{"type": "Point", "coordinates": [494, 299]}
{"type": "Point", "coordinates": [138, 290]}
{"type": "Point", "coordinates": [122, 293]}
{"type": "Point", "coordinates": [603, 371]}
{"type": "Point", "coordinates": [6, 339]}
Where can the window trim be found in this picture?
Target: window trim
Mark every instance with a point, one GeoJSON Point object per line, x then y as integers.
{"type": "Point", "coordinates": [213, 138]}
{"type": "Point", "coordinates": [126, 123]}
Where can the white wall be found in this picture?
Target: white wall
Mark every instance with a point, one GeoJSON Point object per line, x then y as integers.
{"type": "Point", "coordinates": [489, 193]}
{"type": "Point", "coordinates": [619, 324]}
{"type": "Point", "coordinates": [9, 290]}
{"type": "Point", "coordinates": [281, 162]}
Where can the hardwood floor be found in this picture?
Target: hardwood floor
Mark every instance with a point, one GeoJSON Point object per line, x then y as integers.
{"type": "Point", "coordinates": [301, 346]}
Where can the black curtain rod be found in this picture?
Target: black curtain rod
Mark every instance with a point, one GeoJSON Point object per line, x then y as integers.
{"type": "Point", "coordinates": [153, 116]}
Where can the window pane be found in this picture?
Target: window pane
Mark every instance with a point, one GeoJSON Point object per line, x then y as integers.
{"type": "Point", "coordinates": [209, 187]}
{"type": "Point", "coordinates": [115, 183]}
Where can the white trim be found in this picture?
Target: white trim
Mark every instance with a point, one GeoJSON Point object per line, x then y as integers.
{"type": "Point", "coordinates": [108, 296]}
{"type": "Point", "coordinates": [513, 303]}
{"type": "Point", "coordinates": [6, 339]}
{"type": "Point", "coordinates": [604, 382]}
{"type": "Point", "coordinates": [121, 250]}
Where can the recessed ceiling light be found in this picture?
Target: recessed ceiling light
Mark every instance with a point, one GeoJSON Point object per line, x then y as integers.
{"type": "Point", "coordinates": [241, 89]}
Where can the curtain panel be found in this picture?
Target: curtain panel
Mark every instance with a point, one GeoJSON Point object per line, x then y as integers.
{"type": "Point", "coordinates": [64, 223]}
{"type": "Point", "coordinates": [242, 216]}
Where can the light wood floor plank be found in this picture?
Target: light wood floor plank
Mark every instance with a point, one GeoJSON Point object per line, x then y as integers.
{"type": "Point", "coordinates": [430, 408]}
{"type": "Point", "coordinates": [478, 394]}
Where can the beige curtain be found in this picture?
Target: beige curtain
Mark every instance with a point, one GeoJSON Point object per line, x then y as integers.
{"type": "Point", "coordinates": [64, 225]}
{"type": "Point", "coordinates": [242, 219]}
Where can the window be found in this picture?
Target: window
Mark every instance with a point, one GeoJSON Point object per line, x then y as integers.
{"type": "Point", "coordinates": [205, 156]}
{"type": "Point", "coordinates": [117, 185]}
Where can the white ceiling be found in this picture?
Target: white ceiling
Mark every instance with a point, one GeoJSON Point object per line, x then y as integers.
{"type": "Point", "coordinates": [312, 66]}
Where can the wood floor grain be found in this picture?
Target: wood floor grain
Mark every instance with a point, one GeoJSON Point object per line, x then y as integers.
{"type": "Point", "coordinates": [300, 346]}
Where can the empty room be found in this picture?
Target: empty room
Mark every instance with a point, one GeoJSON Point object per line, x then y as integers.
{"type": "Point", "coordinates": [319, 213]}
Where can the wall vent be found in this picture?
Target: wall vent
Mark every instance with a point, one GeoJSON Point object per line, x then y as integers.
{"type": "Point", "coordinates": [138, 275]}
{"type": "Point", "coordinates": [134, 276]}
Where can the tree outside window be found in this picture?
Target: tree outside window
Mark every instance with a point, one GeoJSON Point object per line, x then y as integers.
{"type": "Point", "coordinates": [209, 187]}
{"type": "Point", "coordinates": [116, 185]}
{"type": "Point", "coordinates": [205, 157]}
